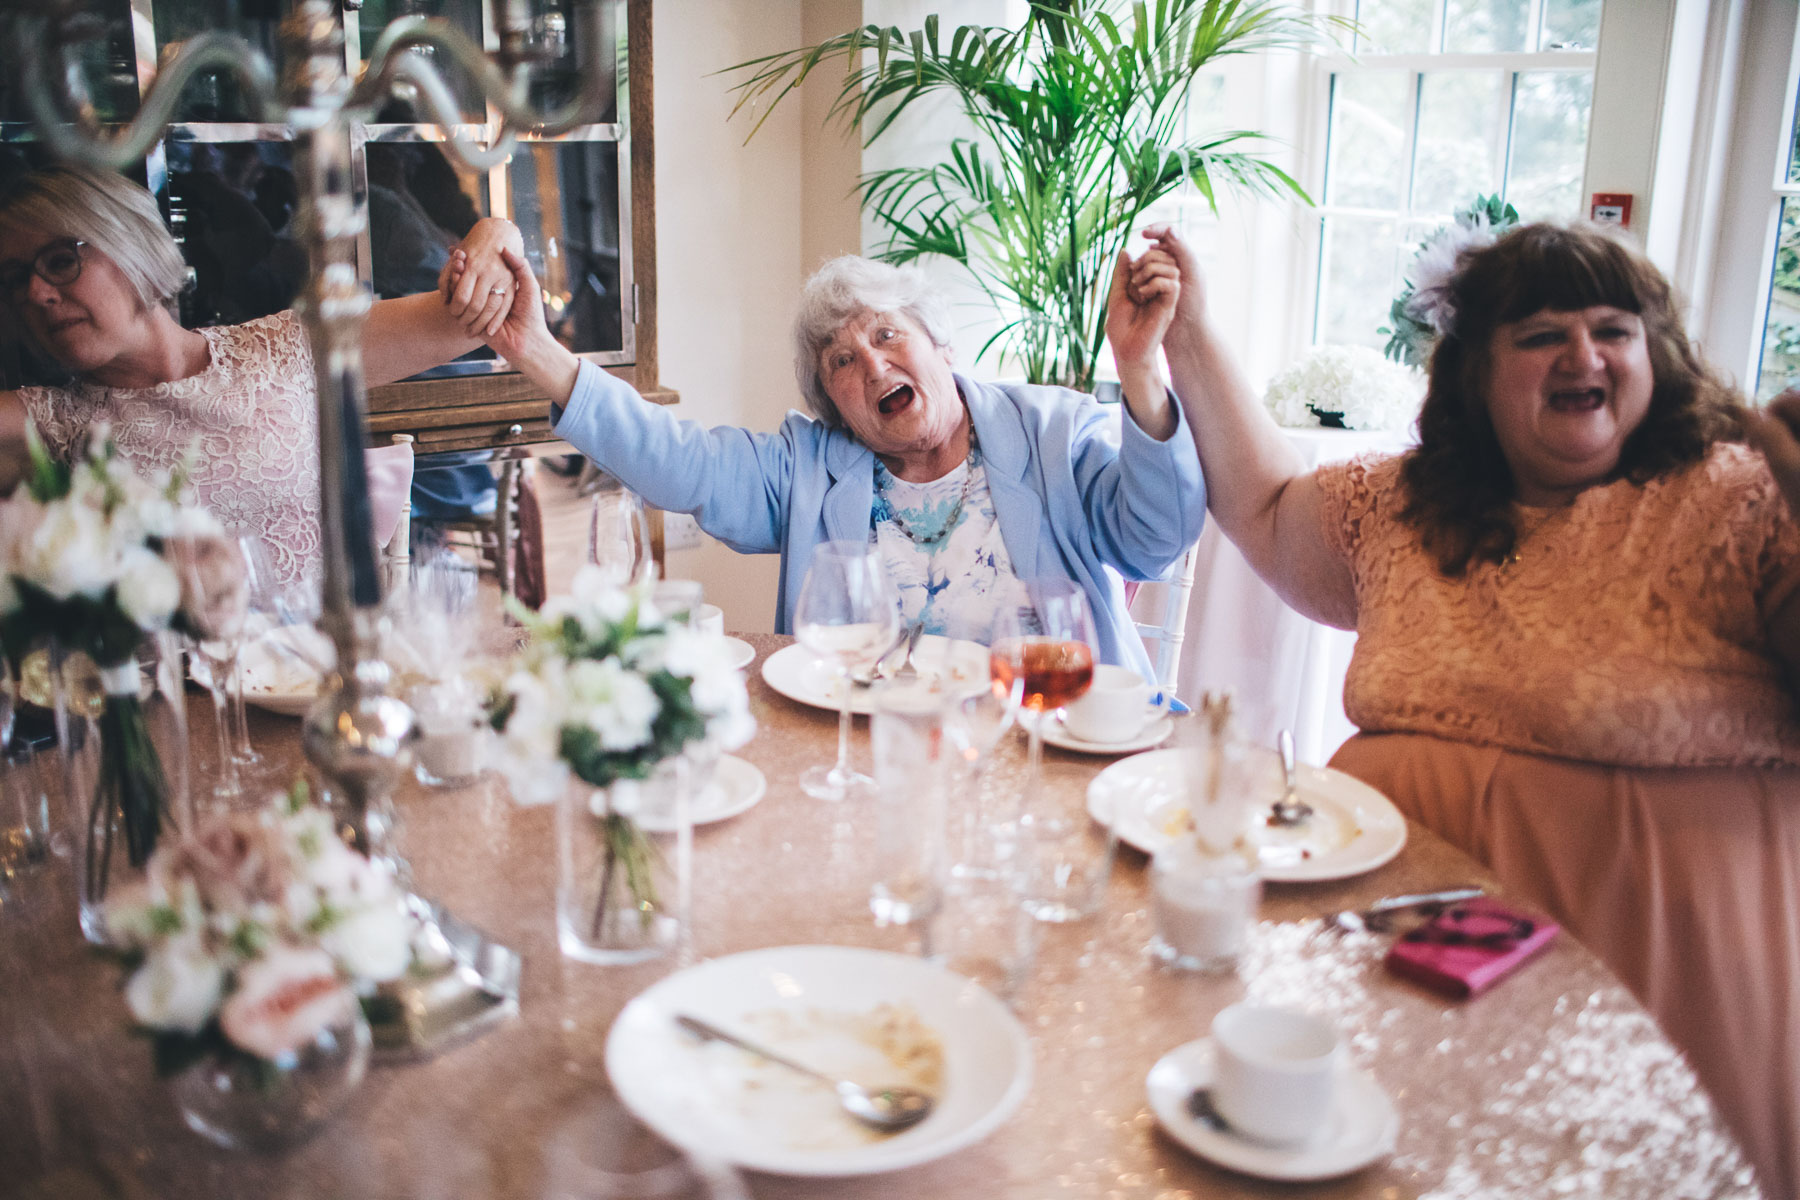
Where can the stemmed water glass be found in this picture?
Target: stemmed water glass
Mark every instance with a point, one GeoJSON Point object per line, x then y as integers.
{"type": "Point", "coordinates": [273, 603]}
{"type": "Point", "coordinates": [215, 584]}
{"type": "Point", "coordinates": [848, 614]}
{"type": "Point", "coordinates": [1045, 645]}
{"type": "Point", "coordinates": [619, 537]}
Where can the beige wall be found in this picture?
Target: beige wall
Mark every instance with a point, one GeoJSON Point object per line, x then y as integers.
{"type": "Point", "coordinates": [728, 242]}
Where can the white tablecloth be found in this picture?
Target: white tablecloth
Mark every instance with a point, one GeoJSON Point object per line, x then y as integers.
{"type": "Point", "coordinates": [1284, 670]}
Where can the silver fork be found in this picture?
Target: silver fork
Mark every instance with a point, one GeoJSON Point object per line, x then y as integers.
{"type": "Point", "coordinates": [909, 670]}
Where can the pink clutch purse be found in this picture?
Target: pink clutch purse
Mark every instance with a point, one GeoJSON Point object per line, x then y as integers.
{"type": "Point", "coordinates": [1468, 948]}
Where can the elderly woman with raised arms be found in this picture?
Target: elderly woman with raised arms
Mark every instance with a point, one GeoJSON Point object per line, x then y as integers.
{"type": "Point", "coordinates": [88, 274]}
{"type": "Point", "coordinates": [1577, 606]}
{"type": "Point", "coordinates": [963, 485]}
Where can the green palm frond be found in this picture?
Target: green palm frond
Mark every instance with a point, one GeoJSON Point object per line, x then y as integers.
{"type": "Point", "coordinates": [1077, 114]}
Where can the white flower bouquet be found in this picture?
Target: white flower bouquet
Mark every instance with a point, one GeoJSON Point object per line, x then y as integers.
{"type": "Point", "coordinates": [254, 932]}
{"type": "Point", "coordinates": [94, 558]}
{"type": "Point", "coordinates": [1351, 386]}
{"type": "Point", "coordinates": [607, 688]}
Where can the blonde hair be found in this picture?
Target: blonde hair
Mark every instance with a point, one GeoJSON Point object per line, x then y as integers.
{"type": "Point", "coordinates": [111, 214]}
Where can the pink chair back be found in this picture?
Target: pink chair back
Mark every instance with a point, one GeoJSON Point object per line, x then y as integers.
{"type": "Point", "coordinates": [390, 483]}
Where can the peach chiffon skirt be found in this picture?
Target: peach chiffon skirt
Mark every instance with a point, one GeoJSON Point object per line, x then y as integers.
{"type": "Point", "coordinates": [1685, 881]}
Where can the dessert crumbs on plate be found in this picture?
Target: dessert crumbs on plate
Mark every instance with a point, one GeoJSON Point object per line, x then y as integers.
{"type": "Point", "coordinates": [886, 1045]}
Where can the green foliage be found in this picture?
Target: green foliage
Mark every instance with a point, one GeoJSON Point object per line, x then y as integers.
{"type": "Point", "coordinates": [1409, 340]}
{"type": "Point", "coordinates": [1078, 112]}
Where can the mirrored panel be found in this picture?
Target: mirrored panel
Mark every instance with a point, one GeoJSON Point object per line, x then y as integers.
{"type": "Point", "coordinates": [565, 199]}
{"type": "Point", "coordinates": [231, 206]}
{"type": "Point", "coordinates": [109, 67]}
{"type": "Point", "coordinates": [215, 95]}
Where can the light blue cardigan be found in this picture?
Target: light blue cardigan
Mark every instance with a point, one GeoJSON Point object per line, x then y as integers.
{"type": "Point", "coordinates": [1073, 491]}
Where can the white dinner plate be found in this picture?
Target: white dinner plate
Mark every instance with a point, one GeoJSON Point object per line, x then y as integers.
{"type": "Point", "coordinates": [1057, 734]}
{"type": "Point", "coordinates": [742, 652]}
{"type": "Point", "coordinates": [1359, 1129]}
{"type": "Point", "coordinates": [735, 787]}
{"type": "Point", "coordinates": [720, 1101]}
{"type": "Point", "coordinates": [278, 672]}
{"type": "Point", "coordinates": [1354, 828]}
{"type": "Point", "coordinates": [797, 674]}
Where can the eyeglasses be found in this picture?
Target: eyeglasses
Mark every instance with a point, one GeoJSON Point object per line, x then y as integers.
{"type": "Point", "coordinates": [57, 264]}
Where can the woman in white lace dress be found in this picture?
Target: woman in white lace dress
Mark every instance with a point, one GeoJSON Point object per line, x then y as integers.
{"type": "Point", "coordinates": [88, 276]}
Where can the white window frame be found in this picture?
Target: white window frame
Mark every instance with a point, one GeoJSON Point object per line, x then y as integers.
{"type": "Point", "coordinates": [1315, 140]}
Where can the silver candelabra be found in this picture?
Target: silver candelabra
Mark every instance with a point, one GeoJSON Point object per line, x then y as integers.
{"type": "Point", "coordinates": [357, 734]}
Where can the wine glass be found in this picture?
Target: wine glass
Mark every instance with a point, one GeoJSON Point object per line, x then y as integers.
{"type": "Point", "coordinates": [215, 585]}
{"type": "Point", "coordinates": [983, 824]}
{"type": "Point", "coordinates": [273, 603]}
{"type": "Point", "coordinates": [619, 538]}
{"type": "Point", "coordinates": [1044, 643]}
{"type": "Point", "coordinates": [848, 614]}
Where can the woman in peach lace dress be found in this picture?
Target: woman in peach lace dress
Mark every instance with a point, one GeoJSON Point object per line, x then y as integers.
{"type": "Point", "coordinates": [88, 275]}
{"type": "Point", "coordinates": [1577, 604]}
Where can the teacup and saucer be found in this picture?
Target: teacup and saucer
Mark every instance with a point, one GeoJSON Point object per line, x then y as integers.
{"type": "Point", "coordinates": [1271, 1094]}
{"type": "Point", "coordinates": [1118, 714]}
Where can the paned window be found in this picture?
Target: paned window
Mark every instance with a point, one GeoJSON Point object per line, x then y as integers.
{"type": "Point", "coordinates": [1779, 365]}
{"type": "Point", "coordinates": [1444, 100]}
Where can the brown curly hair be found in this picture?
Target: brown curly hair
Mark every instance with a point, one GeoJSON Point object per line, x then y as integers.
{"type": "Point", "coordinates": [1459, 488]}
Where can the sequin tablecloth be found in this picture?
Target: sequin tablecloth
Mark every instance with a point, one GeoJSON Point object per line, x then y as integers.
{"type": "Point", "coordinates": [1554, 1084]}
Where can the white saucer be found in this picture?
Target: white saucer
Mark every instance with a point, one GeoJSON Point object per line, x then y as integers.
{"type": "Point", "coordinates": [1359, 1129]}
{"type": "Point", "coordinates": [743, 653]}
{"type": "Point", "coordinates": [735, 787]}
{"type": "Point", "coordinates": [1057, 734]}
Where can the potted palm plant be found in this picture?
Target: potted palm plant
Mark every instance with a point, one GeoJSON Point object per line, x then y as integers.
{"type": "Point", "coordinates": [1078, 114]}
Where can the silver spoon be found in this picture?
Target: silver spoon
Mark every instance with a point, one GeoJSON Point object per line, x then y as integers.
{"type": "Point", "coordinates": [1290, 809]}
{"type": "Point", "coordinates": [889, 1109]}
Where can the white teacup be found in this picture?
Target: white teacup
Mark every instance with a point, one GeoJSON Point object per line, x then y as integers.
{"type": "Point", "coordinates": [708, 618]}
{"type": "Point", "coordinates": [1274, 1072]}
{"type": "Point", "coordinates": [1115, 708]}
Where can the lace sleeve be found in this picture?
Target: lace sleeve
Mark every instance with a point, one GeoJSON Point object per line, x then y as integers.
{"type": "Point", "coordinates": [61, 419]}
{"type": "Point", "coordinates": [1353, 492]}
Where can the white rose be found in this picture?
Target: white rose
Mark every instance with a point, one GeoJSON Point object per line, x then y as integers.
{"type": "Point", "coordinates": [283, 1000]}
{"type": "Point", "coordinates": [128, 915]}
{"type": "Point", "coordinates": [616, 704]}
{"type": "Point", "coordinates": [148, 590]}
{"type": "Point", "coordinates": [178, 987]}
{"type": "Point", "coordinates": [373, 943]}
{"type": "Point", "coordinates": [70, 551]}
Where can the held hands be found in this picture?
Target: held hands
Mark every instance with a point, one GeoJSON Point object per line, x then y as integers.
{"type": "Point", "coordinates": [1775, 431]}
{"type": "Point", "coordinates": [1189, 319]}
{"type": "Point", "coordinates": [477, 285]}
{"type": "Point", "coordinates": [1143, 300]}
{"type": "Point", "coordinates": [507, 331]}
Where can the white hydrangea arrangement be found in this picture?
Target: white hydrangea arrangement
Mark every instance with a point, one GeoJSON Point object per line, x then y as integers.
{"type": "Point", "coordinates": [607, 687]}
{"type": "Point", "coordinates": [255, 932]}
{"type": "Point", "coordinates": [1354, 384]}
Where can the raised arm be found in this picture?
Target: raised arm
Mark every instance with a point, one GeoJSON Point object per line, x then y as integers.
{"type": "Point", "coordinates": [1257, 487]}
{"type": "Point", "coordinates": [413, 333]}
{"type": "Point", "coordinates": [1143, 299]}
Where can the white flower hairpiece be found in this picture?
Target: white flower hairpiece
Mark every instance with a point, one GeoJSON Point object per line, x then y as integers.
{"type": "Point", "coordinates": [1424, 310]}
{"type": "Point", "coordinates": [1434, 269]}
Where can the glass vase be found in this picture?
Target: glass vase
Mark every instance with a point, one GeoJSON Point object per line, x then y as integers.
{"type": "Point", "coordinates": [624, 855]}
{"type": "Point", "coordinates": [242, 1102]}
{"type": "Point", "coordinates": [122, 738]}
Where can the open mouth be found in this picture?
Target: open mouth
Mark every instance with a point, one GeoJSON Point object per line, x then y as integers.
{"type": "Point", "coordinates": [1577, 400]}
{"type": "Point", "coordinates": [895, 400]}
